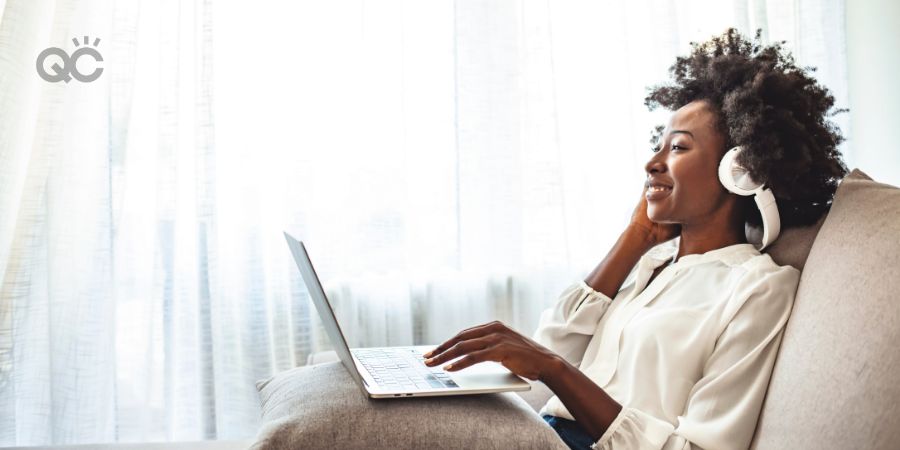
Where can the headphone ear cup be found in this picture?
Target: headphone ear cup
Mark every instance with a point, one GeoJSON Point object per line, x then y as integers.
{"type": "Point", "coordinates": [734, 177]}
{"type": "Point", "coordinates": [726, 171]}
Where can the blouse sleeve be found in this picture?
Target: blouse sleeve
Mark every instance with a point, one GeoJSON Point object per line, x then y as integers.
{"type": "Point", "coordinates": [567, 327]}
{"type": "Point", "coordinates": [723, 406]}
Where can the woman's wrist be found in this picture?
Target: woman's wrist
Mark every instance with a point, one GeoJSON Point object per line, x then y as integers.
{"type": "Point", "coordinates": [553, 369]}
{"type": "Point", "coordinates": [639, 237]}
{"type": "Point", "coordinates": [609, 275]}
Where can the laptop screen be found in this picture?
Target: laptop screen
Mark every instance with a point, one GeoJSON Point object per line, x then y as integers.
{"type": "Point", "coordinates": [314, 287]}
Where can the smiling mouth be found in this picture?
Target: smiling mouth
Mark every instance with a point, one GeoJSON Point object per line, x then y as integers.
{"type": "Point", "coordinates": [657, 192]}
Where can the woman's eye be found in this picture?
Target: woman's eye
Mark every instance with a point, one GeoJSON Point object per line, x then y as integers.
{"type": "Point", "coordinates": [674, 147]}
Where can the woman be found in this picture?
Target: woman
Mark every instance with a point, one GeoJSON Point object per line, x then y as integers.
{"type": "Point", "coordinates": [681, 356]}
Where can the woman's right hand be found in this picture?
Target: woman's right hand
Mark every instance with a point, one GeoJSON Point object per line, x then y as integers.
{"type": "Point", "coordinates": [656, 233]}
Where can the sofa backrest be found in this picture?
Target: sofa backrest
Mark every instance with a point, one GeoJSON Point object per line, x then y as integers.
{"type": "Point", "coordinates": [793, 245]}
{"type": "Point", "coordinates": [834, 384]}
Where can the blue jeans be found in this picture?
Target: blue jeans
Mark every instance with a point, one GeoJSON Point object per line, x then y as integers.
{"type": "Point", "coordinates": [570, 432]}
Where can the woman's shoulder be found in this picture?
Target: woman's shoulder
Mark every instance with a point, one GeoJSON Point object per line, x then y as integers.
{"type": "Point", "coordinates": [763, 264]}
{"type": "Point", "coordinates": [764, 283]}
{"type": "Point", "coordinates": [762, 276]}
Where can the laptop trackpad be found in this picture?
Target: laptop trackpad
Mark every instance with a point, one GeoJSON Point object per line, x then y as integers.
{"type": "Point", "coordinates": [486, 374]}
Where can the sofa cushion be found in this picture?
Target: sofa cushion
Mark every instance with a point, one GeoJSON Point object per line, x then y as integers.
{"type": "Point", "coordinates": [320, 406]}
{"type": "Point", "coordinates": [834, 384]}
{"type": "Point", "coordinates": [793, 245]}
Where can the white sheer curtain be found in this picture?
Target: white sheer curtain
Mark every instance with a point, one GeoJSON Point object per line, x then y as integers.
{"type": "Point", "coordinates": [447, 163]}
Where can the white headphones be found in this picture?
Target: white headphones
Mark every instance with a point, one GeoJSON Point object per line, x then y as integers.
{"type": "Point", "coordinates": [737, 180]}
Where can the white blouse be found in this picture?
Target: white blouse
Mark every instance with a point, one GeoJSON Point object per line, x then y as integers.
{"type": "Point", "coordinates": [689, 357]}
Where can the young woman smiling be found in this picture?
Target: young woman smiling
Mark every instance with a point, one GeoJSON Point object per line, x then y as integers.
{"type": "Point", "coordinates": [680, 357]}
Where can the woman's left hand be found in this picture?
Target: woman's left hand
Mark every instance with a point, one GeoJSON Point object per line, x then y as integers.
{"type": "Point", "coordinates": [495, 341]}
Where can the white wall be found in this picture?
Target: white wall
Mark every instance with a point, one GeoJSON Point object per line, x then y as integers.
{"type": "Point", "coordinates": [873, 57]}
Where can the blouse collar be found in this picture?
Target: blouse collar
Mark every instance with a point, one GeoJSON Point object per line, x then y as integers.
{"type": "Point", "coordinates": [732, 255]}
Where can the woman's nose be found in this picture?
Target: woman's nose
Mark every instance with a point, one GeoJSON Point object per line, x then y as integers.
{"type": "Point", "coordinates": [655, 164]}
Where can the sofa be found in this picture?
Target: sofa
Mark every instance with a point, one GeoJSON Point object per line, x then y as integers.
{"type": "Point", "coordinates": [833, 384]}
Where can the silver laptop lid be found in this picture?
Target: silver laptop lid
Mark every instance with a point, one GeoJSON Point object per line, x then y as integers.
{"type": "Point", "coordinates": [301, 257]}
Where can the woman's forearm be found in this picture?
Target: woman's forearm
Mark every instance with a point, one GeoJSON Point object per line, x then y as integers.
{"type": "Point", "coordinates": [589, 404]}
{"type": "Point", "coordinates": [609, 275]}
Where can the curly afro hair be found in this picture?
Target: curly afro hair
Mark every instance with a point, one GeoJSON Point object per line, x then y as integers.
{"type": "Point", "coordinates": [774, 110]}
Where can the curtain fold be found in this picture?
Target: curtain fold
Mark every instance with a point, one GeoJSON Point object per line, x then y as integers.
{"type": "Point", "coordinates": [446, 163]}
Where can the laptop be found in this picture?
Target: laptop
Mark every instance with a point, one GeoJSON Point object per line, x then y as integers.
{"type": "Point", "coordinates": [391, 372]}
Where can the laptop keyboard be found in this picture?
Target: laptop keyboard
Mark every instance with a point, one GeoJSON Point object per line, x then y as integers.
{"type": "Point", "coordinates": [402, 368]}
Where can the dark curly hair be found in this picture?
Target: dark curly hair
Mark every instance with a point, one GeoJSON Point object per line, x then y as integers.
{"type": "Point", "coordinates": [774, 110]}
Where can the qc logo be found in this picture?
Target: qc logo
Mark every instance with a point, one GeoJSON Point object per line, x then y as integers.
{"type": "Point", "coordinates": [69, 68]}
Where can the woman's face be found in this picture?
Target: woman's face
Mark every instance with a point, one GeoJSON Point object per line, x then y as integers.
{"type": "Point", "coordinates": [686, 165]}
